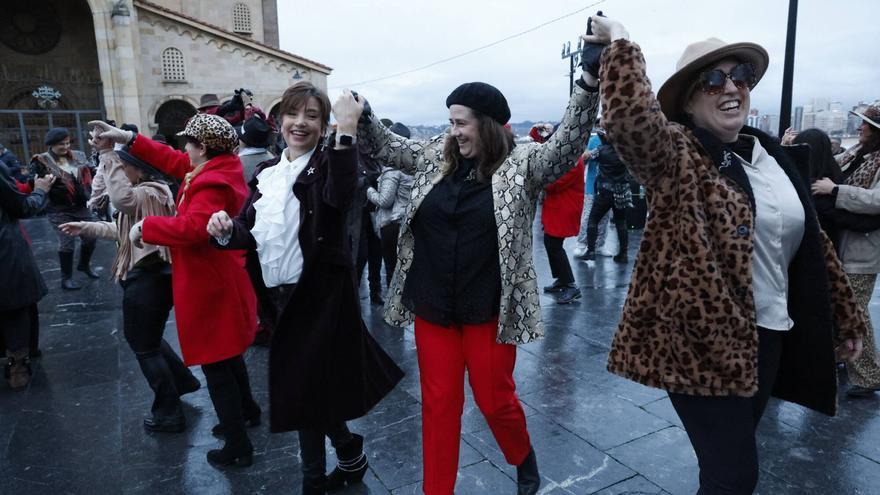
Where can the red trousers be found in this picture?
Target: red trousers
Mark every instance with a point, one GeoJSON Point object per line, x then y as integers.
{"type": "Point", "coordinates": [444, 354]}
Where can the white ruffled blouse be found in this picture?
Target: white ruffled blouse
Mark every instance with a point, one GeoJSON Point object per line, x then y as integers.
{"type": "Point", "coordinates": [276, 227]}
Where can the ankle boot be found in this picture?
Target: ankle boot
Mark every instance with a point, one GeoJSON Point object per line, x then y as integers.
{"type": "Point", "coordinates": [315, 486]}
{"type": "Point", "coordinates": [166, 414]}
{"type": "Point", "coordinates": [237, 450]}
{"type": "Point", "coordinates": [527, 478]}
{"type": "Point", "coordinates": [351, 464]}
{"type": "Point", "coordinates": [66, 261]}
{"type": "Point", "coordinates": [85, 258]}
{"type": "Point", "coordinates": [233, 455]}
{"type": "Point", "coordinates": [18, 369]}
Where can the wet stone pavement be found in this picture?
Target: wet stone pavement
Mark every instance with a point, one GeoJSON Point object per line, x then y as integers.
{"type": "Point", "coordinates": [78, 427]}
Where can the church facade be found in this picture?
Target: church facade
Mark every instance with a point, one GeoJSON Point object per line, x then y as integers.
{"type": "Point", "coordinates": [148, 63]}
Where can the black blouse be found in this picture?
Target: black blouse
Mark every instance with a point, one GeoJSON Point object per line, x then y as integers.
{"type": "Point", "coordinates": [455, 277]}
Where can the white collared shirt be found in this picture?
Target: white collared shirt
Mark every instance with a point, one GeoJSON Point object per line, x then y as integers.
{"type": "Point", "coordinates": [779, 229]}
{"type": "Point", "coordinates": [276, 227]}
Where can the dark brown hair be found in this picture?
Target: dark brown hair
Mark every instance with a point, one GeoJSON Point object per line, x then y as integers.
{"type": "Point", "coordinates": [298, 96]}
{"type": "Point", "coordinates": [494, 148]}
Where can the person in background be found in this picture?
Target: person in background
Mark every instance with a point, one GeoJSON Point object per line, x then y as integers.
{"type": "Point", "coordinates": [391, 198]}
{"type": "Point", "coordinates": [159, 138]}
{"type": "Point", "coordinates": [67, 200]}
{"type": "Point", "coordinates": [20, 281]}
{"type": "Point", "coordinates": [99, 200]}
{"type": "Point", "coordinates": [214, 303]}
{"type": "Point", "coordinates": [209, 103]}
{"type": "Point", "coordinates": [836, 147]}
{"type": "Point", "coordinates": [859, 193]}
{"type": "Point", "coordinates": [736, 291]}
{"type": "Point", "coordinates": [612, 193]}
{"type": "Point", "coordinates": [13, 165]}
{"type": "Point", "coordinates": [254, 136]}
{"type": "Point", "coordinates": [592, 169]}
{"type": "Point", "coordinates": [560, 217]}
{"type": "Point", "coordinates": [137, 190]}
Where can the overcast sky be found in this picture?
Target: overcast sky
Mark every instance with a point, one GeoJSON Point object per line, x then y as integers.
{"type": "Point", "coordinates": [837, 55]}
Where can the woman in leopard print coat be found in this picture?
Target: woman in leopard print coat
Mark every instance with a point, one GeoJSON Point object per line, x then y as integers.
{"type": "Point", "coordinates": [736, 291]}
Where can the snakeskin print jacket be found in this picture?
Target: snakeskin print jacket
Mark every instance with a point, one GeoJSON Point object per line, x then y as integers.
{"type": "Point", "coordinates": [515, 188]}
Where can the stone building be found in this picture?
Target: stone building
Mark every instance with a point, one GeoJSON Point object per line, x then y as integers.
{"type": "Point", "coordinates": [65, 62]}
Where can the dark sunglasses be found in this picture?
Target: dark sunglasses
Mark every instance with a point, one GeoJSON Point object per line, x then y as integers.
{"type": "Point", "coordinates": [741, 75]}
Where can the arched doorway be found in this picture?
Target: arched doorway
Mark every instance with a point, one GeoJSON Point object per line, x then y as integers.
{"type": "Point", "coordinates": [171, 118]}
{"type": "Point", "coordinates": [40, 87]}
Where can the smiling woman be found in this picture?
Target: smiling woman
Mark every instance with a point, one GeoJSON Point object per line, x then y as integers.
{"type": "Point", "coordinates": [748, 289]}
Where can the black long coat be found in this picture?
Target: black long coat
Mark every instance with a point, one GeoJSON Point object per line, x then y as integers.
{"type": "Point", "coordinates": [20, 281]}
{"type": "Point", "coordinates": [324, 366]}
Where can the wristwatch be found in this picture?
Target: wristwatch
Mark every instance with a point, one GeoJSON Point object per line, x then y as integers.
{"type": "Point", "coordinates": [346, 139]}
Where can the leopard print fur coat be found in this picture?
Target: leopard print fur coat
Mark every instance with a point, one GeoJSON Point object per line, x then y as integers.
{"type": "Point", "coordinates": [515, 188]}
{"type": "Point", "coordinates": [688, 324]}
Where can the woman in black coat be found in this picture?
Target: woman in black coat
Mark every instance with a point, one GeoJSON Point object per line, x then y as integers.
{"type": "Point", "coordinates": [20, 281]}
{"type": "Point", "coordinates": [324, 367]}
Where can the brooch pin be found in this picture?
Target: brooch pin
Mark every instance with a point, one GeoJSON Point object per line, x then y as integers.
{"type": "Point", "coordinates": [310, 171]}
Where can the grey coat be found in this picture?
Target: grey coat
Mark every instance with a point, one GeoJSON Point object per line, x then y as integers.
{"type": "Point", "coordinates": [392, 196]}
{"type": "Point", "coordinates": [515, 188]}
{"type": "Point", "coordinates": [860, 251]}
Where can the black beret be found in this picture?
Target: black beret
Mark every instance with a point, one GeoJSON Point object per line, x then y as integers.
{"type": "Point", "coordinates": [134, 161]}
{"type": "Point", "coordinates": [56, 135]}
{"type": "Point", "coordinates": [482, 97]}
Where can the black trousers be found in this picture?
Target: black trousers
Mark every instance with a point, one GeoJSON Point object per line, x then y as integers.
{"type": "Point", "coordinates": [313, 451]}
{"type": "Point", "coordinates": [560, 267]}
{"type": "Point", "coordinates": [602, 202]}
{"type": "Point", "coordinates": [369, 253]}
{"type": "Point", "coordinates": [722, 429]}
{"type": "Point", "coordinates": [146, 304]}
{"type": "Point", "coordinates": [33, 334]}
{"type": "Point", "coordinates": [390, 233]}
{"type": "Point", "coordinates": [230, 391]}
{"type": "Point", "coordinates": [15, 328]}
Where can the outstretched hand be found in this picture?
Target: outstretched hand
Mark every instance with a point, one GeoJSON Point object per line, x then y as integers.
{"type": "Point", "coordinates": [605, 31]}
{"type": "Point", "coordinates": [44, 183]}
{"type": "Point", "coordinates": [104, 130]}
{"type": "Point", "coordinates": [71, 228]}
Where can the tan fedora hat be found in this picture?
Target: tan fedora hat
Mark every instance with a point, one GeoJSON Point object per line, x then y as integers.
{"type": "Point", "coordinates": [696, 57]}
{"type": "Point", "coordinates": [870, 115]}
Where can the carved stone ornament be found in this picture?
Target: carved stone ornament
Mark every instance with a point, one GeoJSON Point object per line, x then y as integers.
{"type": "Point", "coordinates": [47, 97]}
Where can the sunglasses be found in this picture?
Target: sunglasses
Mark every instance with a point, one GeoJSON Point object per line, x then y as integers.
{"type": "Point", "coordinates": [742, 76]}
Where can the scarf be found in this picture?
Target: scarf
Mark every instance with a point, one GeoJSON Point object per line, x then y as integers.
{"type": "Point", "coordinates": [863, 176]}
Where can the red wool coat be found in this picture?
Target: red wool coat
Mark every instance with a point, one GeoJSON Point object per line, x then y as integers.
{"type": "Point", "coordinates": [563, 203]}
{"type": "Point", "coordinates": [214, 302]}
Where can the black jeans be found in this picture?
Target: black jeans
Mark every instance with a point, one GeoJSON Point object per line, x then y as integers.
{"type": "Point", "coordinates": [313, 452]}
{"type": "Point", "coordinates": [560, 267]}
{"type": "Point", "coordinates": [146, 304]}
{"type": "Point", "coordinates": [602, 202]}
{"type": "Point", "coordinates": [722, 429]}
{"type": "Point", "coordinates": [370, 254]}
{"type": "Point", "coordinates": [230, 391]}
{"type": "Point", "coordinates": [390, 233]}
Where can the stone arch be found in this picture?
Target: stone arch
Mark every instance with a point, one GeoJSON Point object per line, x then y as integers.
{"type": "Point", "coordinates": [171, 118]}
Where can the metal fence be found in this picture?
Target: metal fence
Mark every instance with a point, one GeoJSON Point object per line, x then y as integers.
{"type": "Point", "coordinates": [23, 131]}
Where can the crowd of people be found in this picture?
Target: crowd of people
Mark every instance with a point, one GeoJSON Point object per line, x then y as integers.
{"type": "Point", "coordinates": [753, 276]}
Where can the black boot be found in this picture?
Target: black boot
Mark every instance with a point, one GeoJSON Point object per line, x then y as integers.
{"type": "Point", "coordinates": [250, 410]}
{"type": "Point", "coordinates": [85, 258]}
{"type": "Point", "coordinates": [66, 261]}
{"type": "Point", "coordinates": [527, 478]}
{"type": "Point", "coordinates": [224, 392]}
{"type": "Point", "coordinates": [167, 412]}
{"type": "Point", "coordinates": [351, 464]}
{"type": "Point", "coordinates": [315, 487]}
{"type": "Point", "coordinates": [623, 240]}
{"type": "Point", "coordinates": [184, 380]}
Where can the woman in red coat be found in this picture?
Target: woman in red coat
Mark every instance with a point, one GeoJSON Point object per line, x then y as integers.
{"type": "Point", "coordinates": [561, 216]}
{"type": "Point", "coordinates": [214, 302]}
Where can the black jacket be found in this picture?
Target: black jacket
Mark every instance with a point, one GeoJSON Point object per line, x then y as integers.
{"type": "Point", "coordinates": [612, 170]}
{"type": "Point", "coordinates": [324, 366]}
{"type": "Point", "coordinates": [20, 281]}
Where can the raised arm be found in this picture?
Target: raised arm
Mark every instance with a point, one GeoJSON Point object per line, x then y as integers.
{"type": "Point", "coordinates": [632, 118]}
{"type": "Point", "coordinates": [188, 228]}
{"type": "Point", "coordinates": [165, 158]}
{"type": "Point", "coordinates": [389, 148]}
